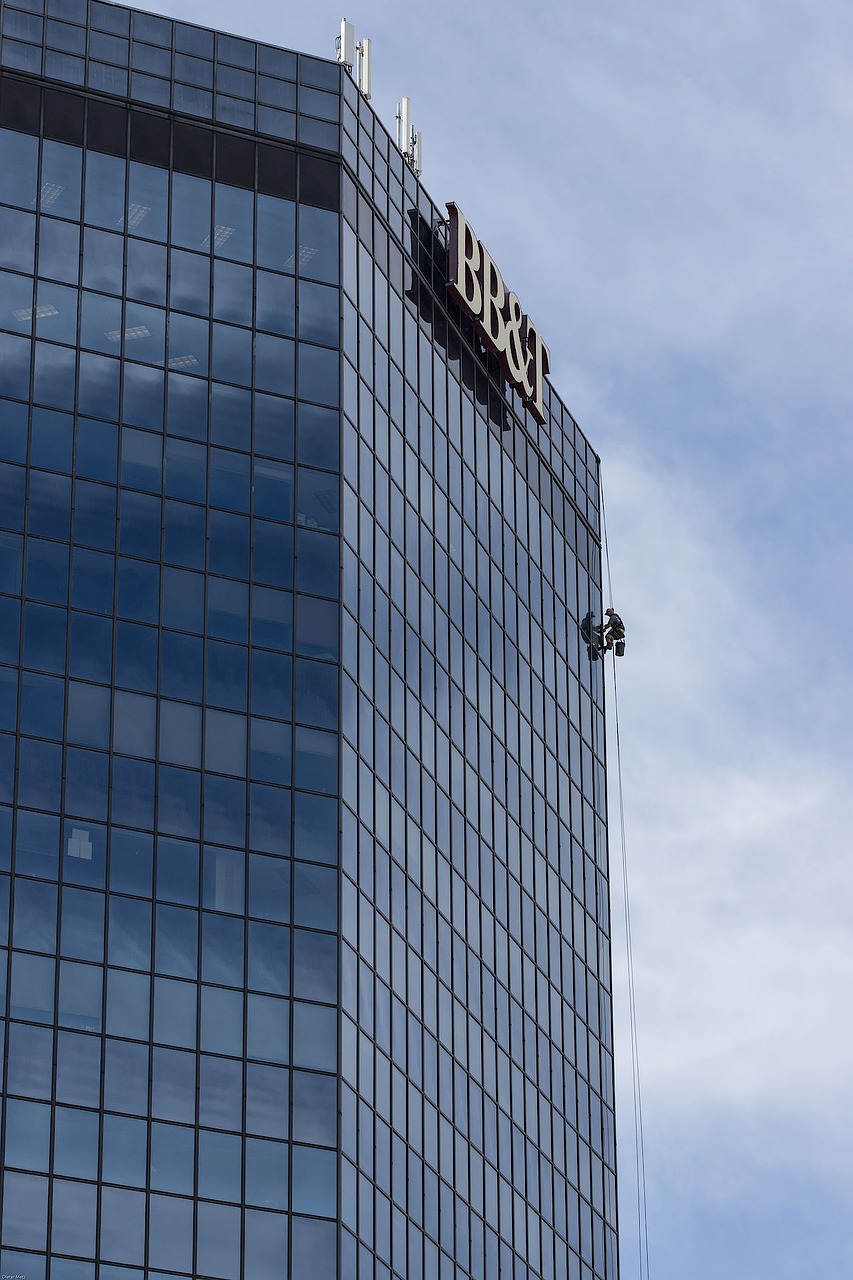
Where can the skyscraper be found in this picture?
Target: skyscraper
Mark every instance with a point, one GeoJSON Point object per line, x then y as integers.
{"type": "Point", "coordinates": [303, 866]}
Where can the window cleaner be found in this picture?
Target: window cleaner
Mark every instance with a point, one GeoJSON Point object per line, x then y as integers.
{"type": "Point", "coordinates": [614, 634]}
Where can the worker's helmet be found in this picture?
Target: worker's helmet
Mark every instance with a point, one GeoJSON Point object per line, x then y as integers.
{"type": "Point", "coordinates": [609, 610]}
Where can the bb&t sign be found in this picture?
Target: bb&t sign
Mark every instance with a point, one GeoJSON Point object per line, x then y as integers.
{"type": "Point", "coordinates": [477, 285]}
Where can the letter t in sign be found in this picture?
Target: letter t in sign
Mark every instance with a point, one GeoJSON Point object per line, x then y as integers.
{"type": "Point", "coordinates": [465, 261]}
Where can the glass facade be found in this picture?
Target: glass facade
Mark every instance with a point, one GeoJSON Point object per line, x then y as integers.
{"type": "Point", "coordinates": [303, 862]}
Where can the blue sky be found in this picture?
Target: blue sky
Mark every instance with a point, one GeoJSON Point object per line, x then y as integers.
{"type": "Point", "coordinates": [668, 189]}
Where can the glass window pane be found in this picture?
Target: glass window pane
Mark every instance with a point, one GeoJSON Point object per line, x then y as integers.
{"type": "Point", "coordinates": [232, 354]}
{"type": "Point", "coordinates": [276, 233]}
{"type": "Point", "coordinates": [80, 996]}
{"type": "Point", "coordinates": [271, 682]}
{"type": "Point", "coordinates": [318, 499]}
{"type": "Point", "coordinates": [274, 426]}
{"type": "Point", "coordinates": [176, 948]}
{"type": "Point", "coordinates": [232, 292]}
{"type": "Point", "coordinates": [59, 250]}
{"type": "Point", "coordinates": [125, 1150]}
{"type": "Point", "coordinates": [19, 165]}
{"type": "Point", "coordinates": [220, 1160]}
{"type": "Point", "coordinates": [316, 760]}
{"type": "Point", "coordinates": [28, 1135]}
{"type": "Point", "coordinates": [268, 1028]}
{"type": "Point", "coordinates": [271, 751]}
{"type": "Point", "coordinates": [273, 490]}
{"type": "Point", "coordinates": [319, 314]}
{"type": "Point", "coordinates": [315, 1037]}
{"type": "Point", "coordinates": [188, 343]}
{"type": "Point", "coordinates": [123, 1226]}
{"type": "Point", "coordinates": [234, 216]}
{"type": "Point", "coordinates": [314, 1182]}
{"type": "Point", "coordinates": [274, 365]}
{"type": "Point", "coordinates": [223, 879]}
{"type": "Point", "coordinates": [318, 558]}
{"type": "Point", "coordinates": [134, 724]}
{"type": "Point", "coordinates": [146, 271]}
{"type": "Point", "coordinates": [74, 1217]}
{"type": "Point", "coordinates": [318, 374]}
{"type": "Point", "coordinates": [175, 1012]}
{"type": "Point", "coordinates": [131, 860]}
{"type": "Point", "coordinates": [82, 924]}
{"type": "Point", "coordinates": [275, 302]}
{"type": "Point", "coordinates": [266, 1173]}
{"type": "Point", "coordinates": [220, 1097]}
{"type": "Point", "coordinates": [219, 1240]}
{"type": "Point", "coordinates": [316, 693]}
{"type": "Point", "coordinates": [318, 244]}
{"type": "Point", "coordinates": [105, 200]}
{"type": "Point", "coordinates": [272, 624]}
{"type": "Point", "coordinates": [173, 1085]}
{"type": "Point", "coordinates": [25, 1210]}
{"type": "Point", "coordinates": [314, 1108]}
{"type": "Point", "coordinates": [269, 958]}
{"type": "Point", "coordinates": [266, 1244]}
{"type": "Point", "coordinates": [172, 1158]}
{"type": "Point", "coordinates": [222, 1022]}
{"type": "Point", "coordinates": [315, 897]}
{"type": "Point", "coordinates": [269, 888]}
{"type": "Point", "coordinates": [190, 221]}
{"type": "Point", "coordinates": [227, 675]}
{"type": "Point", "coordinates": [128, 1002]}
{"type": "Point", "coordinates": [181, 666]}
{"type": "Point", "coordinates": [225, 810]}
{"type": "Point", "coordinates": [314, 1243]}
{"type": "Point", "coordinates": [130, 928]}
{"type": "Point", "coordinates": [76, 1143]}
{"type": "Point", "coordinates": [190, 282]}
{"type": "Point", "coordinates": [17, 250]}
{"type": "Point", "coordinates": [267, 1100]}
{"type": "Point", "coordinates": [84, 853]}
{"type": "Point", "coordinates": [315, 966]}
{"type": "Point", "coordinates": [60, 180]}
{"type": "Point", "coordinates": [222, 950]}
{"type": "Point", "coordinates": [170, 1233]}
{"type": "Point", "coordinates": [34, 919]}
{"type": "Point", "coordinates": [30, 1052]}
{"type": "Point", "coordinates": [180, 733]}
{"type": "Point", "coordinates": [126, 1081]}
{"type": "Point", "coordinates": [102, 261]}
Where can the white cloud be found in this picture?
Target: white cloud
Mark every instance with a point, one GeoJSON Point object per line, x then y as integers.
{"type": "Point", "coordinates": [738, 820]}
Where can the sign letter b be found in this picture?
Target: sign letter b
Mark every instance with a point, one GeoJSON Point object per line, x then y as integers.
{"type": "Point", "coordinates": [465, 261]}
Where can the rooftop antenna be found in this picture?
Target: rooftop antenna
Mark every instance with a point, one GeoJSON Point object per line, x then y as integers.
{"type": "Point", "coordinates": [356, 56]}
{"type": "Point", "coordinates": [408, 140]}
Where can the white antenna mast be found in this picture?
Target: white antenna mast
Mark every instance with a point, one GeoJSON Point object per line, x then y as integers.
{"type": "Point", "coordinates": [345, 44]}
{"type": "Point", "coordinates": [409, 141]}
{"type": "Point", "coordinates": [352, 55]}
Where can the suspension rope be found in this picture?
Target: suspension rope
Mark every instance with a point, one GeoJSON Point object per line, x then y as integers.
{"type": "Point", "coordinates": [639, 1144]}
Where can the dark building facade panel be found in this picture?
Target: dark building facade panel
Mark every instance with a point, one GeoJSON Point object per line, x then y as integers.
{"type": "Point", "coordinates": [303, 869]}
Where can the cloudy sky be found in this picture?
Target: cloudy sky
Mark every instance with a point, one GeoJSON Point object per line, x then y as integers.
{"type": "Point", "coordinates": [668, 188]}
